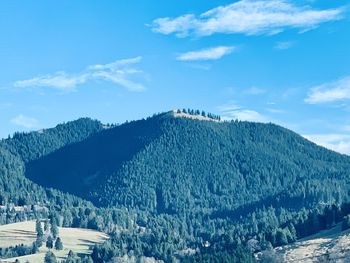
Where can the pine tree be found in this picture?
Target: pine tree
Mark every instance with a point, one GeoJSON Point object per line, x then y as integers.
{"type": "Point", "coordinates": [46, 225]}
{"type": "Point", "coordinates": [39, 241]}
{"type": "Point", "coordinates": [50, 257]}
{"type": "Point", "coordinates": [281, 238]}
{"type": "Point", "coordinates": [87, 259]}
{"type": "Point", "coordinates": [49, 242]}
{"type": "Point", "coordinates": [38, 228]}
{"type": "Point", "coordinates": [35, 248]}
{"type": "Point", "coordinates": [71, 257]}
{"type": "Point", "coordinates": [54, 229]}
{"type": "Point", "coordinates": [58, 244]}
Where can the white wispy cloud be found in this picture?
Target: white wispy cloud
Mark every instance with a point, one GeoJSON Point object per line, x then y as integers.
{"type": "Point", "coordinates": [212, 53]}
{"type": "Point", "coordinates": [345, 128]}
{"type": "Point", "coordinates": [235, 112]}
{"type": "Point", "coordinates": [277, 111]}
{"type": "Point", "coordinates": [255, 91]}
{"type": "Point", "coordinates": [5, 105]}
{"type": "Point", "coordinates": [116, 64]}
{"type": "Point", "coordinates": [283, 45]}
{"type": "Point", "coordinates": [336, 142]}
{"type": "Point", "coordinates": [59, 80]}
{"type": "Point", "coordinates": [120, 72]}
{"type": "Point", "coordinates": [247, 17]}
{"type": "Point", "coordinates": [329, 92]}
{"type": "Point", "coordinates": [24, 121]}
{"type": "Point", "coordinates": [200, 65]}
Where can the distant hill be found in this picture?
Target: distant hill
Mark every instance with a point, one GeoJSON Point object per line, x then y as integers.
{"type": "Point", "coordinates": [77, 167]}
{"type": "Point", "coordinates": [21, 148]}
{"type": "Point", "coordinates": [33, 145]}
{"type": "Point", "coordinates": [180, 181]}
{"type": "Point", "coordinates": [168, 164]}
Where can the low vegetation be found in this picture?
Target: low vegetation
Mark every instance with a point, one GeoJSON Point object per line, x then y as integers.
{"type": "Point", "coordinates": [331, 245]}
{"type": "Point", "coordinates": [14, 238]}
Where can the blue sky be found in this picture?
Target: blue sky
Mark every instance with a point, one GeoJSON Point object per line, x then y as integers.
{"type": "Point", "coordinates": [286, 62]}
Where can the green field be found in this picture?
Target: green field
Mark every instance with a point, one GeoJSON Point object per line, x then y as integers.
{"type": "Point", "coordinates": [75, 239]}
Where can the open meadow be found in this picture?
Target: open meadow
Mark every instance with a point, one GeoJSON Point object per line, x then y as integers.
{"type": "Point", "coordinates": [78, 240]}
{"type": "Point", "coordinates": [330, 245]}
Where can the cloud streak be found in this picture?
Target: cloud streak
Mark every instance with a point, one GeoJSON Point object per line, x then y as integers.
{"type": "Point", "coordinates": [213, 53]}
{"type": "Point", "coordinates": [247, 17]}
{"type": "Point", "coordinates": [59, 80]}
{"type": "Point", "coordinates": [236, 112]}
{"type": "Point", "coordinates": [120, 72]}
{"type": "Point", "coordinates": [24, 121]}
{"type": "Point", "coordinates": [255, 91]}
{"type": "Point", "coordinates": [284, 45]}
{"type": "Point", "coordinates": [329, 92]}
{"type": "Point", "coordinates": [336, 142]}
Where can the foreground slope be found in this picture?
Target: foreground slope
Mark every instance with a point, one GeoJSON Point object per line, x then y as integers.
{"type": "Point", "coordinates": [76, 239]}
{"type": "Point", "coordinates": [330, 245]}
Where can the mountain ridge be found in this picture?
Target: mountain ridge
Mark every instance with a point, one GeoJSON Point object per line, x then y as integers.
{"type": "Point", "coordinates": [111, 151]}
{"type": "Point", "coordinates": [175, 183]}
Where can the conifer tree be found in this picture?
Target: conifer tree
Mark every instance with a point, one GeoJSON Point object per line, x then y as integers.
{"type": "Point", "coordinates": [58, 244]}
{"type": "Point", "coordinates": [38, 229]}
{"type": "Point", "coordinates": [49, 242]}
{"type": "Point", "coordinates": [50, 257]}
{"type": "Point", "coordinates": [54, 229]}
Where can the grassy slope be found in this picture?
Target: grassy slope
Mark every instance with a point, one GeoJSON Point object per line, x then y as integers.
{"type": "Point", "coordinates": [332, 245]}
{"type": "Point", "coordinates": [76, 239]}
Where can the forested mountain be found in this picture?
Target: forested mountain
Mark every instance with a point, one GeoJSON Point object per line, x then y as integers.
{"type": "Point", "coordinates": [173, 165]}
{"type": "Point", "coordinates": [180, 184]}
{"type": "Point", "coordinates": [33, 145]}
{"type": "Point", "coordinates": [79, 166]}
{"type": "Point", "coordinates": [21, 199]}
{"type": "Point", "coordinates": [23, 147]}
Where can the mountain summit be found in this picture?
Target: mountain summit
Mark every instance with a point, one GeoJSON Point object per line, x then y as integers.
{"type": "Point", "coordinates": [177, 162]}
{"type": "Point", "coordinates": [176, 182]}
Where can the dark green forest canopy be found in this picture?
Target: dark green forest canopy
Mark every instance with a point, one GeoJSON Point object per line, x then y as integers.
{"type": "Point", "coordinates": [21, 148]}
{"type": "Point", "coordinates": [184, 180]}
{"type": "Point", "coordinates": [33, 145]}
{"type": "Point", "coordinates": [173, 165]}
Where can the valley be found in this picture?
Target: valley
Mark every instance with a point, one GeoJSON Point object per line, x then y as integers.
{"type": "Point", "coordinates": [144, 185]}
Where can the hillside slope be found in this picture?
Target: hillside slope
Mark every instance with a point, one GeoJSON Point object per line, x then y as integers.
{"type": "Point", "coordinates": [167, 164]}
{"type": "Point", "coordinates": [15, 188]}
{"type": "Point", "coordinates": [77, 167]}
{"type": "Point", "coordinates": [185, 184]}
{"type": "Point", "coordinates": [76, 239]}
{"type": "Point", "coordinates": [33, 145]}
{"type": "Point", "coordinates": [330, 245]}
